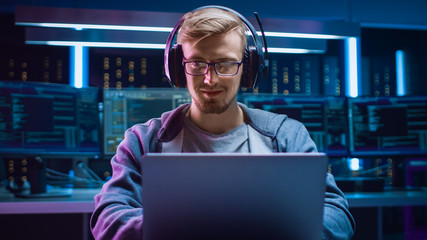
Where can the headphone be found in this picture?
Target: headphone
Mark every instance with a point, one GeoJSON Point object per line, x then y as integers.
{"type": "Point", "coordinates": [255, 60]}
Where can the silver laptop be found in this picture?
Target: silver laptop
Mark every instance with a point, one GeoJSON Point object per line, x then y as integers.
{"type": "Point", "coordinates": [233, 196]}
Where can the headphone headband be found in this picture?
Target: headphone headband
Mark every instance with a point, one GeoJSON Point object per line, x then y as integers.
{"type": "Point", "coordinates": [261, 57]}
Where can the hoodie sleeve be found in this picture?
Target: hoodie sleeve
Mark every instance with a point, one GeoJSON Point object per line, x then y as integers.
{"type": "Point", "coordinates": [118, 207]}
{"type": "Point", "coordinates": [338, 222]}
{"type": "Point", "coordinates": [118, 210]}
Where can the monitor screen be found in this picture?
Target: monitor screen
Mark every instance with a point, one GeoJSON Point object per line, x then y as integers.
{"type": "Point", "coordinates": [48, 119]}
{"type": "Point", "coordinates": [127, 107]}
{"type": "Point", "coordinates": [324, 117]}
{"type": "Point", "coordinates": [392, 125]}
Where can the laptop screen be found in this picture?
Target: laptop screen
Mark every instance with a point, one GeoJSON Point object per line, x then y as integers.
{"type": "Point", "coordinates": [233, 196]}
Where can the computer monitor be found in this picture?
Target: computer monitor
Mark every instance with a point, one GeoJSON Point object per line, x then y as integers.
{"type": "Point", "coordinates": [48, 119]}
{"type": "Point", "coordinates": [324, 117]}
{"type": "Point", "coordinates": [388, 125]}
{"type": "Point", "coordinates": [126, 107]}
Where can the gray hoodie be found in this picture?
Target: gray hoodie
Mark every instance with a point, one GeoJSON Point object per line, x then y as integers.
{"type": "Point", "coordinates": [118, 207]}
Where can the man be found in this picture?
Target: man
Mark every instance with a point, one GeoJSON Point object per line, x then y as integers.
{"type": "Point", "coordinates": [213, 42]}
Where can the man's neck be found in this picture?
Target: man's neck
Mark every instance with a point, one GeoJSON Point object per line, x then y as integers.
{"type": "Point", "coordinates": [217, 123]}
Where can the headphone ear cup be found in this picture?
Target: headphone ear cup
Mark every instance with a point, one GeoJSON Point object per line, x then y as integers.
{"type": "Point", "coordinates": [250, 68]}
{"type": "Point", "coordinates": [176, 70]}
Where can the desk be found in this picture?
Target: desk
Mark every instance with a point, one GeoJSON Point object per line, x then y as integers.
{"type": "Point", "coordinates": [387, 198]}
{"type": "Point", "coordinates": [80, 201]}
{"type": "Point", "coordinates": [379, 200]}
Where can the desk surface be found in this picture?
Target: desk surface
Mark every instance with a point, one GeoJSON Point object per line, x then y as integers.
{"type": "Point", "coordinates": [387, 198]}
{"type": "Point", "coordinates": [81, 201]}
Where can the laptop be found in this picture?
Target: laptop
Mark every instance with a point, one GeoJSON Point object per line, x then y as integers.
{"type": "Point", "coordinates": [233, 195]}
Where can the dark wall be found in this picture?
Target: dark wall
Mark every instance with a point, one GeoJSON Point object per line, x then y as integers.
{"type": "Point", "coordinates": [390, 13]}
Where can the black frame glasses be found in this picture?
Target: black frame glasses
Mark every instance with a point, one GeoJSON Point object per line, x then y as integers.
{"type": "Point", "coordinates": [219, 67]}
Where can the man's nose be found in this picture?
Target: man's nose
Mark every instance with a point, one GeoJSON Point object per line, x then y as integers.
{"type": "Point", "coordinates": [211, 77]}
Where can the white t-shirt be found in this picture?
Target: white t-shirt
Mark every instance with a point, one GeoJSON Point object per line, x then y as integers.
{"type": "Point", "coordinates": [198, 140]}
{"type": "Point", "coordinates": [244, 139]}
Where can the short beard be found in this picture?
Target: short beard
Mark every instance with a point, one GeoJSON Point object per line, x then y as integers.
{"type": "Point", "coordinates": [214, 107]}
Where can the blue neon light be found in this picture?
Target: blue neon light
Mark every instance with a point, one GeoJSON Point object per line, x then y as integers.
{"type": "Point", "coordinates": [354, 164]}
{"type": "Point", "coordinates": [79, 66]}
{"type": "Point", "coordinates": [400, 73]}
{"type": "Point", "coordinates": [351, 55]}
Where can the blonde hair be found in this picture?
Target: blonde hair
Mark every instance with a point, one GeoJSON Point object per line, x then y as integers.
{"type": "Point", "coordinates": [206, 22]}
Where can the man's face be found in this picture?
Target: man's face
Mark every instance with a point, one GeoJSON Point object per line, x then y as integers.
{"type": "Point", "coordinates": [212, 93]}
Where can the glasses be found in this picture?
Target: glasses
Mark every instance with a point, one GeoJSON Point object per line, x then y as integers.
{"type": "Point", "coordinates": [198, 68]}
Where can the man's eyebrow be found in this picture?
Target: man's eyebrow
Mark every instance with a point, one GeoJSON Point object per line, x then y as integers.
{"type": "Point", "coordinates": [193, 58]}
{"type": "Point", "coordinates": [228, 59]}
{"type": "Point", "coordinates": [223, 59]}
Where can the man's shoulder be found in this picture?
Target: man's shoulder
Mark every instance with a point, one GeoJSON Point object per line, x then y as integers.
{"type": "Point", "coordinates": [270, 122]}
{"type": "Point", "coordinates": [265, 122]}
{"type": "Point", "coordinates": [256, 115]}
{"type": "Point", "coordinates": [151, 126]}
{"type": "Point", "coordinates": [166, 118]}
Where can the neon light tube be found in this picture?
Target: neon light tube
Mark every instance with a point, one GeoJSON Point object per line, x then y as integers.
{"type": "Point", "coordinates": [301, 35]}
{"type": "Point", "coordinates": [351, 55]}
{"type": "Point", "coordinates": [293, 50]}
{"type": "Point", "coordinates": [79, 66]}
{"type": "Point", "coordinates": [400, 73]}
{"type": "Point", "coordinates": [166, 29]}
{"type": "Point", "coordinates": [100, 44]}
{"type": "Point", "coordinates": [98, 26]}
{"type": "Point", "coordinates": [151, 46]}
{"type": "Point", "coordinates": [354, 164]}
